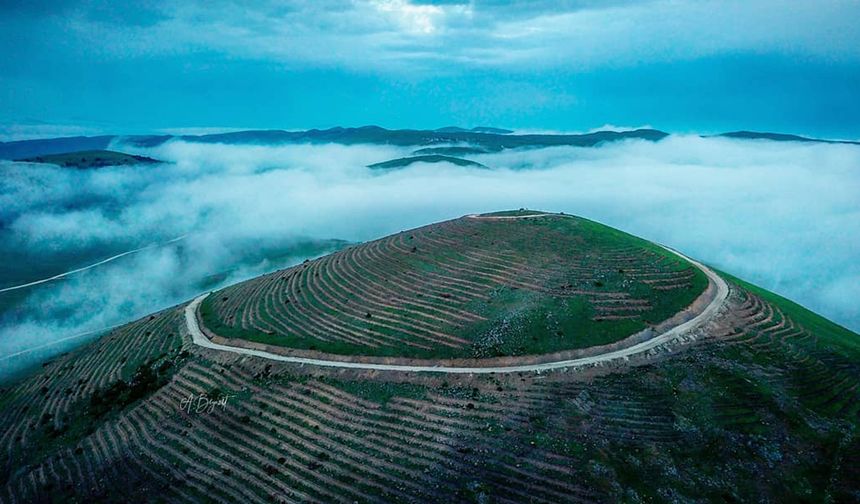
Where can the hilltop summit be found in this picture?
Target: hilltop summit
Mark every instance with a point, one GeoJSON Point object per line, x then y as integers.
{"type": "Point", "coordinates": [757, 400]}
{"type": "Point", "coordinates": [492, 285]}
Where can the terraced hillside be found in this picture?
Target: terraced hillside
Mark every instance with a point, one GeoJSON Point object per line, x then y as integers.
{"type": "Point", "coordinates": [474, 287]}
{"type": "Point", "coordinates": [759, 409]}
{"type": "Point", "coordinates": [760, 404]}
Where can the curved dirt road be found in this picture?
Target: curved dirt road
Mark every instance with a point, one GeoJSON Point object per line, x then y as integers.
{"type": "Point", "coordinates": [722, 293]}
{"type": "Point", "coordinates": [91, 266]}
{"type": "Point", "coordinates": [57, 342]}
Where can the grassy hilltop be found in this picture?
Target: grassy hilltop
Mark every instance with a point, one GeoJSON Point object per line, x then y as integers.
{"type": "Point", "coordinates": [469, 288]}
{"type": "Point", "coordinates": [91, 159]}
{"type": "Point", "coordinates": [763, 406]}
{"type": "Point", "coordinates": [430, 158]}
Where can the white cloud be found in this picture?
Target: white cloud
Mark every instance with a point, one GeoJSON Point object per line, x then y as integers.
{"type": "Point", "coordinates": [397, 35]}
{"type": "Point", "coordinates": [783, 215]}
{"type": "Point", "coordinates": [413, 19]}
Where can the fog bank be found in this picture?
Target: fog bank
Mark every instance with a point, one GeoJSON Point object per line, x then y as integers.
{"type": "Point", "coordinates": [783, 215]}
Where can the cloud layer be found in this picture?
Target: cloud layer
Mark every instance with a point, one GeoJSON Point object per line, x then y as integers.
{"type": "Point", "coordinates": [783, 215]}
{"type": "Point", "coordinates": [400, 34]}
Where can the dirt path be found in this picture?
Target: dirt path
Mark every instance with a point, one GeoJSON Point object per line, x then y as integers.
{"type": "Point", "coordinates": [722, 292]}
{"type": "Point", "coordinates": [78, 270]}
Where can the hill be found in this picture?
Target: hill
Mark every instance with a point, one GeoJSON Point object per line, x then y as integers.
{"type": "Point", "coordinates": [432, 158]}
{"type": "Point", "coordinates": [450, 151]}
{"type": "Point", "coordinates": [489, 129]}
{"type": "Point", "coordinates": [23, 149]}
{"type": "Point", "coordinates": [758, 401]}
{"type": "Point", "coordinates": [478, 286]}
{"type": "Point", "coordinates": [406, 137]}
{"type": "Point", "coordinates": [483, 139]}
{"type": "Point", "coordinates": [780, 137]}
{"type": "Point", "coordinates": [91, 159]}
{"type": "Point", "coordinates": [487, 139]}
{"type": "Point", "coordinates": [479, 129]}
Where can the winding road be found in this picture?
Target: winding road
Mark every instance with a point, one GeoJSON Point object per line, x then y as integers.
{"type": "Point", "coordinates": [722, 293]}
{"type": "Point", "coordinates": [91, 266]}
{"type": "Point", "coordinates": [69, 273]}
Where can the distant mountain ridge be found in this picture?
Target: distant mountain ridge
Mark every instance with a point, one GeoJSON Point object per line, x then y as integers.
{"type": "Point", "coordinates": [432, 158]}
{"type": "Point", "coordinates": [781, 137]}
{"type": "Point", "coordinates": [407, 137]}
{"type": "Point", "coordinates": [450, 151]}
{"type": "Point", "coordinates": [23, 149]}
{"type": "Point", "coordinates": [478, 129]}
{"type": "Point", "coordinates": [482, 138]}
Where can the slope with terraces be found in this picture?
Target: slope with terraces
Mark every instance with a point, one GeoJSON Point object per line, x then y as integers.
{"type": "Point", "coordinates": [762, 405]}
{"type": "Point", "coordinates": [475, 287]}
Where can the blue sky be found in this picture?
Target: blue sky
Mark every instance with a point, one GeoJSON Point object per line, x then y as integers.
{"type": "Point", "coordinates": [135, 67]}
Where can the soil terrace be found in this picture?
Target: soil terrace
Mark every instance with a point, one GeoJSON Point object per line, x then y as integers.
{"type": "Point", "coordinates": [479, 287]}
{"type": "Point", "coordinates": [762, 406]}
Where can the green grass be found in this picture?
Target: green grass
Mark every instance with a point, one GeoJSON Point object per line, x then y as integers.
{"type": "Point", "coordinates": [846, 341]}
{"type": "Point", "coordinates": [739, 434]}
{"type": "Point", "coordinates": [91, 159]}
{"type": "Point", "coordinates": [379, 392]}
{"type": "Point", "coordinates": [87, 413]}
{"type": "Point", "coordinates": [551, 323]}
